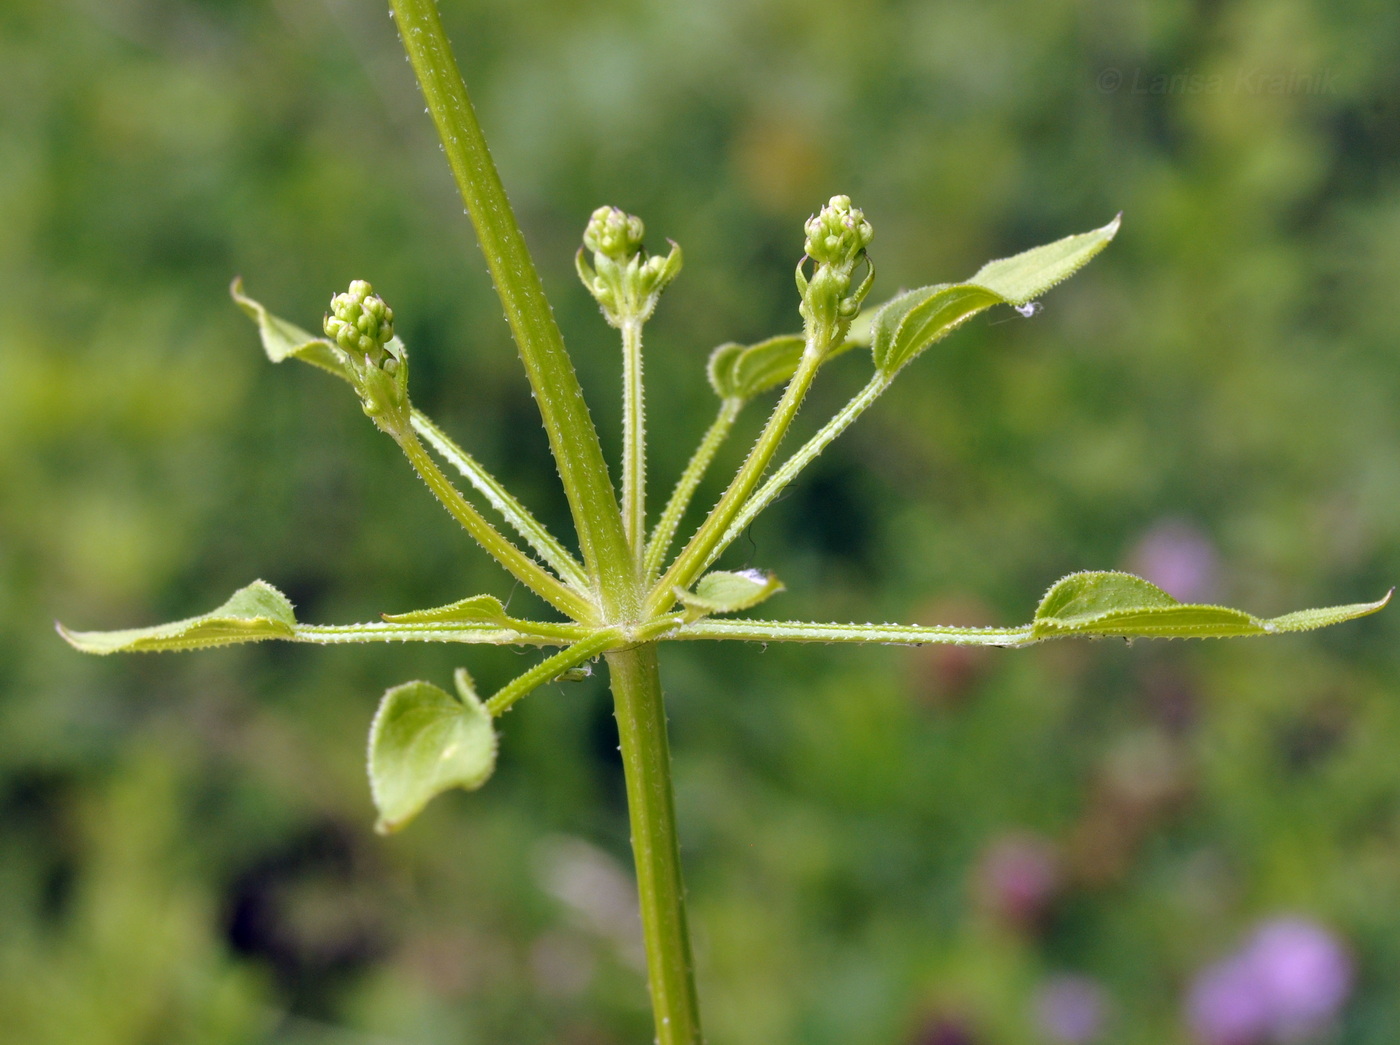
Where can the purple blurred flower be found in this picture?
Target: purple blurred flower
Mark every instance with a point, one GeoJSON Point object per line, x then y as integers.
{"type": "Point", "coordinates": [1178, 558]}
{"type": "Point", "coordinates": [1287, 982]}
{"type": "Point", "coordinates": [1303, 970]}
{"type": "Point", "coordinates": [945, 1031]}
{"type": "Point", "coordinates": [1070, 1009]}
{"type": "Point", "coordinates": [1018, 876]}
{"type": "Point", "coordinates": [1226, 1006]}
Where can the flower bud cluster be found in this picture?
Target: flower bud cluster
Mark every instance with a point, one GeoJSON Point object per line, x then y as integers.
{"type": "Point", "coordinates": [837, 238]}
{"type": "Point", "coordinates": [614, 233]}
{"type": "Point", "coordinates": [360, 322]}
{"type": "Point", "coordinates": [623, 279]}
{"type": "Point", "coordinates": [838, 234]}
{"type": "Point", "coordinates": [362, 326]}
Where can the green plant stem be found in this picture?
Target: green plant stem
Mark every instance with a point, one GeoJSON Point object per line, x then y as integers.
{"type": "Point", "coordinates": [536, 536]}
{"type": "Point", "coordinates": [634, 440]}
{"type": "Point", "coordinates": [793, 466]}
{"type": "Point", "coordinates": [550, 669]}
{"type": "Point", "coordinates": [698, 552]}
{"type": "Point", "coordinates": [646, 761]}
{"type": "Point", "coordinates": [377, 631]}
{"type": "Point", "coordinates": [747, 630]}
{"type": "Point", "coordinates": [572, 435]}
{"type": "Point", "coordinates": [665, 531]}
{"type": "Point", "coordinates": [524, 568]}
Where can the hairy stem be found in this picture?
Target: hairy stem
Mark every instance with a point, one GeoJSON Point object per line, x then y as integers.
{"type": "Point", "coordinates": [379, 631]}
{"type": "Point", "coordinates": [793, 466]}
{"type": "Point", "coordinates": [546, 546]}
{"type": "Point", "coordinates": [524, 568]}
{"type": "Point", "coordinates": [550, 669]}
{"type": "Point", "coordinates": [634, 440]}
{"type": "Point", "coordinates": [747, 630]}
{"type": "Point", "coordinates": [665, 531]}
{"type": "Point", "coordinates": [572, 435]}
{"type": "Point", "coordinates": [646, 760]}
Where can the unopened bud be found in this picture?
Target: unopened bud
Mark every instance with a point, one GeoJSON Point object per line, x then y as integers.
{"type": "Point", "coordinates": [624, 280]}
{"type": "Point", "coordinates": [614, 233]}
{"type": "Point", "coordinates": [362, 325]}
{"type": "Point", "coordinates": [837, 235]}
{"type": "Point", "coordinates": [836, 242]}
{"type": "Point", "coordinates": [359, 321]}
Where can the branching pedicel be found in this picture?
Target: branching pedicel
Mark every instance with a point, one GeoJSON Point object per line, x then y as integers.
{"type": "Point", "coordinates": [624, 597]}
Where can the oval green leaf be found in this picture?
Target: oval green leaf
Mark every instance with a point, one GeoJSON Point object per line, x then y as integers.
{"type": "Point", "coordinates": [482, 609]}
{"type": "Point", "coordinates": [908, 324]}
{"type": "Point", "coordinates": [726, 592]}
{"type": "Point", "coordinates": [744, 371]}
{"type": "Point", "coordinates": [1109, 603]}
{"type": "Point", "coordinates": [282, 340]}
{"type": "Point", "coordinates": [423, 742]}
{"type": "Point", "coordinates": [252, 614]}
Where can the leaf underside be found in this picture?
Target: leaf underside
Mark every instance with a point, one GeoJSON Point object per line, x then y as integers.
{"type": "Point", "coordinates": [282, 340]}
{"type": "Point", "coordinates": [423, 742]}
{"type": "Point", "coordinates": [486, 609]}
{"type": "Point", "coordinates": [252, 614]}
{"type": "Point", "coordinates": [724, 592]}
{"type": "Point", "coordinates": [908, 324]}
{"type": "Point", "coordinates": [1110, 603]}
{"type": "Point", "coordinates": [744, 371]}
{"type": "Point", "coordinates": [1083, 605]}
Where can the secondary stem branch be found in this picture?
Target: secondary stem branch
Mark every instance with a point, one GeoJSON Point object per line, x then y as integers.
{"type": "Point", "coordinates": [527, 570]}
{"type": "Point", "coordinates": [698, 552]}
{"type": "Point", "coordinates": [634, 446]}
{"type": "Point", "coordinates": [665, 531]}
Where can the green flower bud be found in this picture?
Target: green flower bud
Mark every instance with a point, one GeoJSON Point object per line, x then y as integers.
{"type": "Point", "coordinates": [360, 322]}
{"type": "Point", "coordinates": [362, 326]}
{"type": "Point", "coordinates": [614, 233]}
{"type": "Point", "coordinates": [623, 279]}
{"type": "Point", "coordinates": [836, 243]}
{"type": "Point", "coordinates": [838, 234]}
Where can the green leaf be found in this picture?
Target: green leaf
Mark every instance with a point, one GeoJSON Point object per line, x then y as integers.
{"type": "Point", "coordinates": [724, 592]}
{"type": "Point", "coordinates": [912, 322]}
{"type": "Point", "coordinates": [254, 613]}
{"type": "Point", "coordinates": [909, 323]}
{"type": "Point", "coordinates": [1119, 604]}
{"type": "Point", "coordinates": [1031, 273]}
{"type": "Point", "coordinates": [282, 340]}
{"type": "Point", "coordinates": [424, 742]}
{"type": "Point", "coordinates": [744, 371]}
{"type": "Point", "coordinates": [486, 609]}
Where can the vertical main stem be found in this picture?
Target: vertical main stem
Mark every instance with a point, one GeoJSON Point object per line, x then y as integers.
{"type": "Point", "coordinates": [572, 436]}
{"type": "Point", "coordinates": [646, 760]}
{"type": "Point", "coordinates": [634, 440]}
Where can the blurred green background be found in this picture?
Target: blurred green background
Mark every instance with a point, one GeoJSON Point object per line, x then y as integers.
{"type": "Point", "coordinates": [885, 846]}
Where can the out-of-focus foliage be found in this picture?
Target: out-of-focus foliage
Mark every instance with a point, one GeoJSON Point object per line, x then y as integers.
{"type": "Point", "coordinates": [908, 846]}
